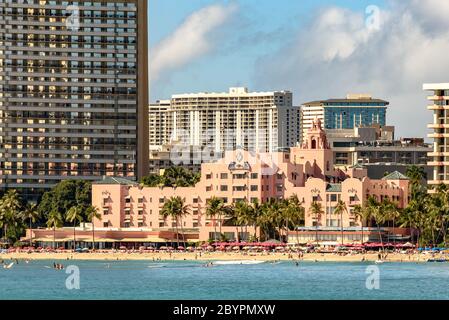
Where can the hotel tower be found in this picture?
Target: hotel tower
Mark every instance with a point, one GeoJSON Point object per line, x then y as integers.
{"type": "Point", "coordinates": [255, 121]}
{"type": "Point", "coordinates": [73, 91]}
{"type": "Point", "coordinates": [439, 104]}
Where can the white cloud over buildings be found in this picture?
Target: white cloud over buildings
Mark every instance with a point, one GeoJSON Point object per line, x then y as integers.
{"type": "Point", "coordinates": [337, 54]}
{"type": "Point", "coordinates": [194, 38]}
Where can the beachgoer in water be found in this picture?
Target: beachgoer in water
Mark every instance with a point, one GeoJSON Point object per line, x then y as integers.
{"type": "Point", "coordinates": [297, 263]}
{"type": "Point", "coordinates": [54, 265]}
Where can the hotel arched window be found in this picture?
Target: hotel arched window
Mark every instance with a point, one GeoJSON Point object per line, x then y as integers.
{"type": "Point", "coordinates": [313, 144]}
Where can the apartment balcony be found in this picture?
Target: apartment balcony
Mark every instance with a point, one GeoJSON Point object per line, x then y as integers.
{"type": "Point", "coordinates": [438, 163]}
{"type": "Point", "coordinates": [437, 107]}
{"type": "Point", "coordinates": [437, 126]}
{"type": "Point", "coordinates": [438, 135]}
{"type": "Point", "coordinates": [437, 98]}
{"type": "Point", "coordinates": [438, 154]}
{"type": "Point", "coordinates": [437, 182]}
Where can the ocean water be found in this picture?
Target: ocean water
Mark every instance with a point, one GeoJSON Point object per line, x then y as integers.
{"type": "Point", "coordinates": [189, 280]}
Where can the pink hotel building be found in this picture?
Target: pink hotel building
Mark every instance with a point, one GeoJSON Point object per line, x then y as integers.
{"type": "Point", "coordinates": [130, 212]}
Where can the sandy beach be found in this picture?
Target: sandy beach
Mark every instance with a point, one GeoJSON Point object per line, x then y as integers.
{"type": "Point", "coordinates": [216, 256]}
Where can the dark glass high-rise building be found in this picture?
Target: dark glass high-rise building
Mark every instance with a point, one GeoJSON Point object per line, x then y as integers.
{"type": "Point", "coordinates": [73, 91]}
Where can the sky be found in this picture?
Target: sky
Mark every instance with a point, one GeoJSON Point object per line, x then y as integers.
{"type": "Point", "coordinates": [318, 49]}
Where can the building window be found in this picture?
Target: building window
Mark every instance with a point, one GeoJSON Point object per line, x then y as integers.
{"type": "Point", "coordinates": [208, 176]}
{"type": "Point", "coordinates": [224, 176]}
{"type": "Point", "coordinates": [254, 175]}
{"type": "Point", "coordinates": [223, 188]}
{"type": "Point", "coordinates": [140, 224]}
{"type": "Point", "coordinates": [254, 188]}
{"type": "Point", "coordinates": [161, 200]}
{"type": "Point", "coordinates": [140, 200]}
{"type": "Point", "coordinates": [195, 200]}
{"type": "Point", "coordinates": [333, 197]}
{"type": "Point", "coordinates": [105, 224]}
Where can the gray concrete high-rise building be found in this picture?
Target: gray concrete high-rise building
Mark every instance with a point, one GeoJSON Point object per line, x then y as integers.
{"type": "Point", "coordinates": [73, 91]}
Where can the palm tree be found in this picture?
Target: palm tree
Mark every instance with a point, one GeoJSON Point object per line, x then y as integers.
{"type": "Point", "coordinates": [316, 210]}
{"type": "Point", "coordinates": [392, 212]}
{"type": "Point", "coordinates": [9, 210]}
{"type": "Point", "coordinates": [175, 208]}
{"type": "Point", "coordinates": [360, 214]}
{"type": "Point", "coordinates": [416, 175]}
{"type": "Point", "coordinates": [256, 212]}
{"type": "Point", "coordinates": [241, 213]}
{"type": "Point", "coordinates": [54, 221]}
{"type": "Point", "coordinates": [375, 211]}
{"type": "Point", "coordinates": [215, 207]}
{"type": "Point", "coordinates": [92, 214]}
{"type": "Point", "coordinates": [32, 214]}
{"type": "Point", "coordinates": [339, 209]}
{"type": "Point", "coordinates": [74, 215]}
{"type": "Point", "coordinates": [294, 213]}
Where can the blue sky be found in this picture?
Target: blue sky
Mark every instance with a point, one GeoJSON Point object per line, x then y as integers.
{"type": "Point", "coordinates": [221, 69]}
{"type": "Point", "coordinates": [317, 49]}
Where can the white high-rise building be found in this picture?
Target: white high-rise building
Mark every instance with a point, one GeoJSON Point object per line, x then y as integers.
{"type": "Point", "coordinates": [259, 121]}
{"type": "Point", "coordinates": [439, 104]}
{"type": "Point", "coordinates": [157, 124]}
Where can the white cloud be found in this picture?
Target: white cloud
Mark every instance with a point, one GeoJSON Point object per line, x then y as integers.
{"type": "Point", "coordinates": [192, 39]}
{"type": "Point", "coordinates": [338, 54]}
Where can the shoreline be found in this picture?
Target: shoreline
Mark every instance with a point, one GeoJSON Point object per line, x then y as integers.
{"type": "Point", "coordinates": [220, 256]}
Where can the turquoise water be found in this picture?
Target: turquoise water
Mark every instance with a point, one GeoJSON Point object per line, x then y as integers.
{"type": "Point", "coordinates": [189, 280]}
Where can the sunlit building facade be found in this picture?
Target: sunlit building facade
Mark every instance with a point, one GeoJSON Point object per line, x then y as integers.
{"type": "Point", "coordinates": [439, 104]}
{"type": "Point", "coordinates": [356, 110]}
{"type": "Point", "coordinates": [73, 91]}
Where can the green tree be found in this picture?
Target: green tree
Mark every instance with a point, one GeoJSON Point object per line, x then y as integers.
{"type": "Point", "coordinates": [375, 211]}
{"type": "Point", "coordinates": [361, 215]}
{"type": "Point", "coordinates": [74, 215]}
{"type": "Point", "coordinates": [241, 215]}
{"type": "Point", "coordinates": [316, 210]}
{"type": "Point", "coordinates": [54, 221]}
{"type": "Point", "coordinates": [216, 208]}
{"type": "Point", "coordinates": [341, 208]}
{"type": "Point", "coordinates": [65, 195]}
{"type": "Point", "coordinates": [256, 212]}
{"type": "Point", "coordinates": [31, 214]}
{"type": "Point", "coordinates": [293, 214]}
{"type": "Point", "coordinates": [10, 207]}
{"type": "Point", "coordinates": [172, 177]}
{"type": "Point", "coordinates": [92, 214]}
{"type": "Point", "coordinates": [417, 176]}
{"type": "Point", "coordinates": [176, 208]}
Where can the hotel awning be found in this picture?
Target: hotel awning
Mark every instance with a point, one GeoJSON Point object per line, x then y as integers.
{"type": "Point", "coordinates": [105, 240]}
{"type": "Point", "coordinates": [151, 239]}
{"type": "Point", "coordinates": [51, 239]}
